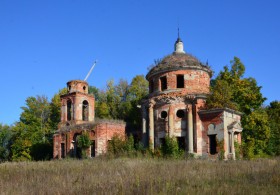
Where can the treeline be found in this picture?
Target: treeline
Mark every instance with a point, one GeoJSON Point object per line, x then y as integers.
{"type": "Point", "coordinates": [31, 137]}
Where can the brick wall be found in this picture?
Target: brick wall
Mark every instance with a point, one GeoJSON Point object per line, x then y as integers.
{"type": "Point", "coordinates": [100, 132]}
{"type": "Point", "coordinates": [195, 81]}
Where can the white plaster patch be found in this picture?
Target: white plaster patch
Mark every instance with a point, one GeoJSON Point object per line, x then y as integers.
{"type": "Point", "coordinates": [179, 133]}
{"type": "Point", "coordinates": [180, 124]}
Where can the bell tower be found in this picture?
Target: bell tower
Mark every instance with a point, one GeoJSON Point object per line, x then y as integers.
{"type": "Point", "coordinates": [77, 106]}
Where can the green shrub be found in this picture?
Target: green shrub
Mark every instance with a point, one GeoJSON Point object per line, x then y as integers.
{"type": "Point", "coordinates": [84, 143]}
{"type": "Point", "coordinates": [126, 147]}
{"type": "Point", "coordinates": [129, 145]}
{"type": "Point", "coordinates": [238, 150]}
{"type": "Point", "coordinates": [221, 149]}
{"type": "Point", "coordinates": [116, 146]}
{"type": "Point", "coordinates": [170, 148]}
{"type": "Point", "coordinates": [41, 151]}
{"type": "Point", "coordinates": [248, 149]}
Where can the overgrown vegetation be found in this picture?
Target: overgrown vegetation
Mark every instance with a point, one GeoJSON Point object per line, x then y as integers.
{"type": "Point", "coordinates": [230, 89]}
{"type": "Point", "coordinates": [141, 176]}
{"type": "Point", "coordinates": [126, 147]}
{"type": "Point", "coordinates": [170, 149]}
{"type": "Point", "coordinates": [238, 150]}
{"type": "Point", "coordinates": [120, 146]}
{"type": "Point", "coordinates": [221, 149]}
{"type": "Point", "coordinates": [84, 143]}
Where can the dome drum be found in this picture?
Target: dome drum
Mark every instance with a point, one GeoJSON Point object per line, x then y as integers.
{"type": "Point", "coordinates": [180, 81]}
{"type": "Point", "coordinates": [77, 86]}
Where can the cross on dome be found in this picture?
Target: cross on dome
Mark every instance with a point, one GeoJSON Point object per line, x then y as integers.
{"type": "Point", "coordinates": [179, 46]}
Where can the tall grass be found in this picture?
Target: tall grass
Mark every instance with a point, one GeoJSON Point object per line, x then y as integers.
{"type": "Point", "coordinates": [141, 176]}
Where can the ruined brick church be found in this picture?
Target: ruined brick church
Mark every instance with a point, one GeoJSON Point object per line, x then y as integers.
{"type": "Point", "coordinates": [175, 107]}
{"type": "Point", "coordinates": [77, 117]}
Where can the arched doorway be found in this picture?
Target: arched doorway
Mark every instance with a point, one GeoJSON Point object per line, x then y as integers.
{"type": "Point", "coordinates": [76, 151]}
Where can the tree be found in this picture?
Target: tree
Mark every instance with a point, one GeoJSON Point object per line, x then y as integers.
{"type": "Point", "coordinates": [244, 91]}
{"type": "Point", "coordinates": [139, 88]}
{"type": "Point", "coordinates": [102, 109]}
{"type": "Point", "coordinates": [94, 91]}
{"type": "Point", "coordinates": [112, 100]}
{"type": "Point", "coordinates": [124, 104]}
{"type": "Point", "coordinates": [120, 101]}
{"type": "Point", "coordinates": [221, 96]}
{"type": "Point", "coordinates": [122, 90]}
{"type": "Point", "coordinates": [5, 142]}
{"type": "Point", "coordinates": [237, 68]}
{"type": "Point", "coordinates": [231, 89]}
{"type": "Point", "coordinates": [32, 129]}
{"type": "Point", "coordinates": [55, 111]}
{"type": "Point", "coordinates": [273, 111]}
{"type": "Point", "coordinates": [256, 133]}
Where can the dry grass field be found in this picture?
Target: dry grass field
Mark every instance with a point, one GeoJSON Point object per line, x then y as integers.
{"type": "Point", "coordinates": [141, 176]}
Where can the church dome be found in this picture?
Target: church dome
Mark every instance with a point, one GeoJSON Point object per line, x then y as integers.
{"type": "Point", "coordinates": [179, 73]}
{"type": "Point", "coordinates": [177, 61]}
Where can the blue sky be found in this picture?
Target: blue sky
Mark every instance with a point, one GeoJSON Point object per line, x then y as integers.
{"type": "Point", "coordinates": [44, 44]}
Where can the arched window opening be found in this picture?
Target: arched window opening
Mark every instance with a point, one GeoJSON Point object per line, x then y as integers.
{"type": "Point", "coordinates": [69, 110]}
{"type": "Point", "coordinates": [84, 88]}
{"type": "Point", "coordinates": [180, 114]}
{"type": "Point", "coordinates": [163, 114]}
{"type": "Point", "coordinates": [163, 82]}
{"type": "Point", "coordinates": [85, 110]}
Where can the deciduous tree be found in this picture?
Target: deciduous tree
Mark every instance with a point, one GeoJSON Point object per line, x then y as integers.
{"type": "Point", "coordinates": [273, 111]}
{"type": "Point", "coordinates": [5, 142]}
{"type": "Point", "coordinates": [120, 101]}
{"type": "Point", "coordinates": [55, 112]}
{"type": "Point", "coordinates": [231, 89]}
{"type": "Point", "coordinates": [33, 128]}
